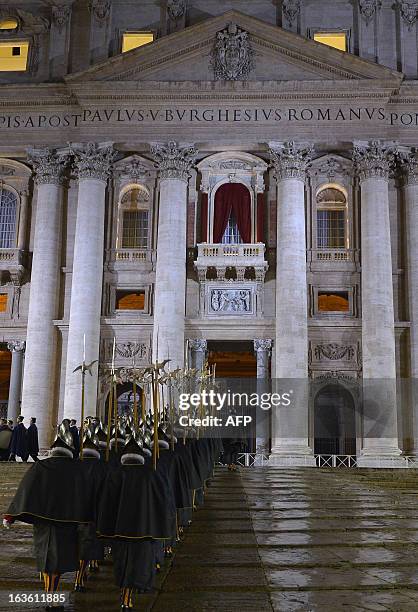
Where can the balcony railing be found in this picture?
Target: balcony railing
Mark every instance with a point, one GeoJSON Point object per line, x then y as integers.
{"type": "Point", "coordinates": [131, 256]}
{"type": "Point", "coordinates": [231, 256]}
{"type": "Point", "coordinates": [333, 255]}
{"type": "Point", "coordinates": [229, 251]}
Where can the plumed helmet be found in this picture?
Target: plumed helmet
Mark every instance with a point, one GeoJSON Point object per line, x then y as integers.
{"type": "Point", "coordinates": [64, 438]}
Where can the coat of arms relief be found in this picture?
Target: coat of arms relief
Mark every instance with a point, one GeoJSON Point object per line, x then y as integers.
{"type": "Point", "coordinates": [232, 55]}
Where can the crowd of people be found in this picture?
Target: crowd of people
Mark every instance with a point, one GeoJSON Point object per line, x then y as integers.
{"type": "Point", "coordinates": [18, 441]}
{"type": "Point", "coordinates": [130, 490]}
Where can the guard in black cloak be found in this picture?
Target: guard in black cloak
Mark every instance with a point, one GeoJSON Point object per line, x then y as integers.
{"type": "Point", "coordinates": [32, 437]}
{"type": "Point", "coordinates": [91, 549]}
{"type": "Point", "coordinates": [19, 441]}
{"type": "Point", "coordinates": [136, 510]}
{"type": "Point", "coordinates": [54, 496]}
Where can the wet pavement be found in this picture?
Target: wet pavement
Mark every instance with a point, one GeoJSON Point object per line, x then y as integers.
{"type": "Point", "coordinates": [301, 540]}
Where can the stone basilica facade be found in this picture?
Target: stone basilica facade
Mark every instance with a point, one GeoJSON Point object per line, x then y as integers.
{"type": "Point", "coordinates": [234, 185]}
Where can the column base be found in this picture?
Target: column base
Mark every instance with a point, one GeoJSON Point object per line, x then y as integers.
{"type": "Point", "coordinates": [381, 461]}
{"type": "Point", "coordinates": [292, 453]}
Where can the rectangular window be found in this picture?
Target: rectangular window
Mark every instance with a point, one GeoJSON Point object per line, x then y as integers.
{"type": "Point", "coordinates": [13, 56]}
{"type": "Point", "coordinates": [135, 229]}
{"type": "Point", "coordinates": [133, 40]}
{"type": "Point", "coordinates": [3, 302]}
{"type": "Point", "coordinates": [335, 301]}
{"type": "Point", "coordinates": [130, 300]}
{"type": "Point", "coordinates": [338, 40]}
{"type": "Point", "coordinates": [331, 229]}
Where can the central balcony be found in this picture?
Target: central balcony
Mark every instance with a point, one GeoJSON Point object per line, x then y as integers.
{"type": "Point", "coordinates": [127, 259]}
{"type": "Point", "coordinates": [231, 261]}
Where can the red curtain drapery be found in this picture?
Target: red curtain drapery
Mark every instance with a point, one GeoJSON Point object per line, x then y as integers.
{"type": "Point", "coordinates": [232, 197]}
{"type": "Point", "coordinates": [204, 218]}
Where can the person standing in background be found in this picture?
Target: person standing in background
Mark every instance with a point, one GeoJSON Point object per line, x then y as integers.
{"type": "Point", "coordinates": [76, 437]}
{"type": "Point", "coordinates": [33, 444]}
{"type": "Point", "coordinates": [19, 441]}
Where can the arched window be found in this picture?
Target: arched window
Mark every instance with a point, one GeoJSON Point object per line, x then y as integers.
{"type": "Point", "coordinates": [331, 218]}
{"type": "Point", "coordinates": [134, 219]}
{"type": "Point", "coordinates": [232, 214]}
{"type": "Point", "coordinates": [8, 210]}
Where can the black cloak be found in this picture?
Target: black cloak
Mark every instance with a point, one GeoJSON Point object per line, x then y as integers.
{"type": "Point", "coordinates": [136, 503]}
{"type": "Point", "coordinates": [19, 442]}
{"type": "Point", "coordinates": [32, 439]}
{"type": "Point", "coordinates": [55, 489]}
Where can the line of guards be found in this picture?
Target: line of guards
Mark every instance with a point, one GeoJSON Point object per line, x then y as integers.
{"type": "Point", "coordinates": [79, 507]}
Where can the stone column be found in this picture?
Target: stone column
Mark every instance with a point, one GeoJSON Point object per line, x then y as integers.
{"type": "Point", "coordinates": [380, 438]}
{"type": "Point", "coordinates": [198, 348]}
{"type": "Point", "coordinates": [38, 398]}
{"type": "Point", "coordinates": [410, 166]}
{"type": "Point", "coordinates": [93, 163]}
{"type": "Point", "coordinates": [17, 348]}
{"type": "Point", "coordinates": [100, 28]}
{"type": "Point", "coordinates": [290, 444]}
{"type": "Point", "coordinates": [23, 221]}
{"type": "Point", "coordinates": [262, 349]}
{"type": "Point", "coordinates": [174, 164]}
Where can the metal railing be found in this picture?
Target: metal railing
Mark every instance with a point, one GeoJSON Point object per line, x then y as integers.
{"type": "Point", "coordinates": [330, 461]}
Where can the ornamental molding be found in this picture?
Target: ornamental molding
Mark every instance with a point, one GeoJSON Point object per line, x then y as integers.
{"type": "Point", "coordinates": [334, 352]}
{"type": "Point", "coordinates": [368, 8]}
{"type": "Point", "coordinates": [291, 10]}
{"type": "Point", "coordinates": [198, 344]}
{"type": "Point", "coordinates": [174, 161]}
{"type": "Point", "coordinates": [374, 160]}
{"type": "Point", "coordinates": [176, 9]}
{"type": "Point", "coordinates": [48, 165]}
{"type": "Point", "coordinates": [130, 350]}
{"type": "Point", "coordinates": [232, 54]}
{"type": "Point", "coordinates": [137, 194]}
{"type": "Point", "coordinates": [16, 346]}
{"type": "Point", "coordinates": [409, 11]}
{"type": "Point", "coordinates": [61, 16]}
{"type": "Point", "coordinates": [290, 159]}
{"type": "Point", "coordinates": [93, 160]}
{"type": "Point", "coordinates": [263, 344]}
{"type": "Point", "coordinates": [100, 9]}
{"type": "Point", "coordinates": [330, 166]}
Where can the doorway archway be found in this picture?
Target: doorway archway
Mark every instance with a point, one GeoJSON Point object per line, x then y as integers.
{"type": "Point", "coordinates": [334, 421]}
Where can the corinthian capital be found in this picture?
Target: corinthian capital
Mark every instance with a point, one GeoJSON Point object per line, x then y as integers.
{"type": "Point", "coordinates": [93, 160]}
{"type": "Point", "coordinates": [100, 9]}
{"type": "Point", "coordinates": [198, 344]}
{"type": "Point", "coordinates": [48, 165]}
{"type": "Point", "coordinates": [290, 159]}
{"type": "Point", "coordinates": [262, 344]}
{"type": "Point", "coordinates": [61, 15]}
{"type": "Point", "coordinates": [409, 11]}
{"type": "Point", "coordinates": [368, 8]}
{"type": "Point", "coordinates": [16, 346]}
{"type": "Point", "coordinates": [409, 165]}
{"type": "Point", "coordinates": [373, 160]}
{"type": "Point", "coordinates": [173, 161]}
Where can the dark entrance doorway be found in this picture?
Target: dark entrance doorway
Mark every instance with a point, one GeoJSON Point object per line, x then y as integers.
{"type": "Point", "coordinates": [334, 421]}
{"type": "Point", "coordinates": [236, 366]}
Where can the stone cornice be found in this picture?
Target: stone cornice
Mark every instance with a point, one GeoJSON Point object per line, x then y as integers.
{"type": "Point", "coordinates": [290, 159]}
{"type": "Point", "coordinates": [373, 161]}
{"type": "Point", "coordinates": [48, 164]}
{"type": "Point", "coordinates": [93, 160]}
{"type": "Point", "coordinates": [174, 161]}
